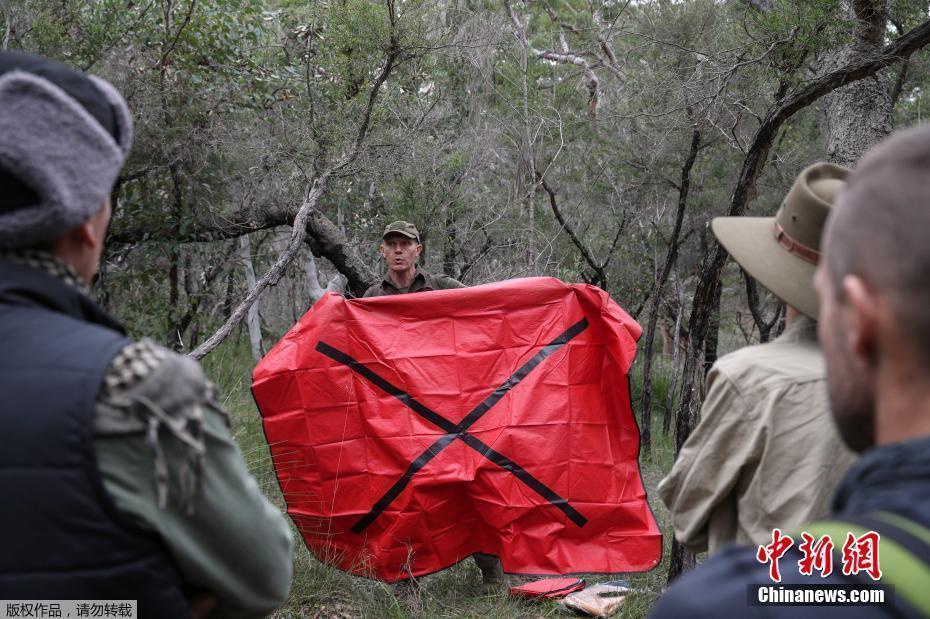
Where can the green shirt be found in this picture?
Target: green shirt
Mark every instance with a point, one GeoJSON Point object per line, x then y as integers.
{"type": "Point", "coordinates": [168, 462]}
{"type": "Point", "coordinates": [187, 482]}
{"type": "Point", "coordinates": [422, 281]}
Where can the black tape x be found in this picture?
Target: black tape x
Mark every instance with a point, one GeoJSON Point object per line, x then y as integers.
{"type": "Point", "coordinates": [458, 431]}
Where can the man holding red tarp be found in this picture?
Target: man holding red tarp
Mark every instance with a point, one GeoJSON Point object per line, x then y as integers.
{"type": "Point", "coordinates": [410, 434]}
{"type": "Point", "coordinates": [401, 249]}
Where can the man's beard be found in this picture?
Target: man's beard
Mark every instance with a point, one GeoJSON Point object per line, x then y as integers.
{"type": "Point", "coordinates": [856, 427]}
{"type": "Point", "coordinates": [852, 402]}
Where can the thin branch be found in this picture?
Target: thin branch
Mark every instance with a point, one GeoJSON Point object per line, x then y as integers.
{"type": "Point", "coordinates": [166, 51]}
{"type": "Point", "coordinates": [487, 247]}
{"type": "Point", "coordinates": [671, 256]}
{"type": "Point", "coordinates": [585, 252]}
{"type": "Point", "coordinates": [613, 245]}
{"type": "Point", "coordinates": [764, 325]}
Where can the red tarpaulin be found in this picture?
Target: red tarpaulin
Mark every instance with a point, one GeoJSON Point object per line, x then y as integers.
{"type": "Point", "coordinates": [409, 432]}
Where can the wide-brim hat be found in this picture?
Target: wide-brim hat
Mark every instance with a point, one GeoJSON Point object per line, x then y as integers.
{"type": "Point", "coordinates": [782, 252]}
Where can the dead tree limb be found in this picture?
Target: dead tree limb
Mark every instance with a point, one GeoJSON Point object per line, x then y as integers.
{"type": "Point", "coordinates": [325, 238]}
{"type": "Point", "coordinates": [591, 80]}
{"type": "Point", "coordinates": [305, 215]}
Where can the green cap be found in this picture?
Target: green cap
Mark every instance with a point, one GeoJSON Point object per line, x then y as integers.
{"type": "Point", "coordinates": [402, 227]}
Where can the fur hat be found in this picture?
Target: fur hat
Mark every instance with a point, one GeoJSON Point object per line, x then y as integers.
{"type": "Point", "coordinates": [63, 138]}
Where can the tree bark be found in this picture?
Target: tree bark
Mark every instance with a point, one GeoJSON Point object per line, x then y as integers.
{"type": "Point", "coordinates": [712, 339]}
{"type": "Point", "coordinates": [859, 115]}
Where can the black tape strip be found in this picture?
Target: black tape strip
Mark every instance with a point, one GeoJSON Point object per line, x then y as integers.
{"type": "Point", "coordinates": [458, 431]}
{"type": "Point", "coordinates": [407, 399]}
{"type": "Point", "coordinates": [521, 373]}
{"type": "Point", "coordinates": [542, 489]}
{"type": "Point", "coordinates": [398, 487]}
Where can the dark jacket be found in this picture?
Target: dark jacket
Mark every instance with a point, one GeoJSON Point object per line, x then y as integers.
{"type": "Point", "coordinates": [61, 534]}
{"type": "Point", "coordinates": [895, 479]}
{"type": "Point", "coordinates": [422, 282]}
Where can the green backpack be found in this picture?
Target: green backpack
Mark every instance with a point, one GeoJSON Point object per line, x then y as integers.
{"type": "Point", "coordinates": [904, 552]}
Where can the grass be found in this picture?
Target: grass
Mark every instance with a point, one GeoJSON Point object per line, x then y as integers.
{"type": "Point", "coordinates": [322, 591]}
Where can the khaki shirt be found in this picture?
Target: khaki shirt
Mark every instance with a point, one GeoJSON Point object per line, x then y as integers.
{"type": "Point", "coordinates": [765, 454]}
{"type": "Point", "coordinates": [422, 281]}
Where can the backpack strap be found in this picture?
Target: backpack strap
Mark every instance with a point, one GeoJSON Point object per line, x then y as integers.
{"type": "Point", "coordinates": [904, 551]}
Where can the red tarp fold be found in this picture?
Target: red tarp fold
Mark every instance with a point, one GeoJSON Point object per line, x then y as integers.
{"type": "Point", "coordinates": [409, 432]}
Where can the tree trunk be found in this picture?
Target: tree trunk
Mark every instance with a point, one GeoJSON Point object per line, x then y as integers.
{"type": "Point", "coordinates": [712, 339]}
{"type": "Point", "coordinates": [228, 297]}
{"type": "Point", "coordinates": [252, 320]}
{"type": "Point", "coordinates": [859, 115]}
{"type": "Point", "coordinates": [313, 280]}
{"type": "Point", "coordinates": [174, 340]}
{"type": "Point", "coordinates": [679, 561]}
{"type": "Point", "coordinates": [526, 179]}
{"type": "Point", "coordinates": [448, 256]}
{"type": "Point", "coordinates": [676, 361]}
{"type": "Point", "coordinates": [757, 309]}
{"type": "Point", "coordinates": [336, 284]}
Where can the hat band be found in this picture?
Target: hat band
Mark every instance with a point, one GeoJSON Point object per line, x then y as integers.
{"type": "Point", "coordinates": [800, 250]}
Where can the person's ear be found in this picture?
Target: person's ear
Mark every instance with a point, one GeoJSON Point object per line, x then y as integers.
{"type": "Point", "coordinates": [85, 234]}
{"type": "Point", "coordinates": [91, 233]}
{"type": "Point", "coordinates": [419, 249]}
{"type": "Point", "coordinates": [381, 250]}
{"type": "Point", "coordinates": [862, 319]}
